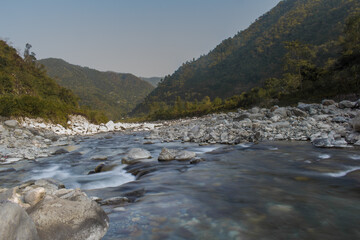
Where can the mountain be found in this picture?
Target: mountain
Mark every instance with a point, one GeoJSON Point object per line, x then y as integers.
{"type": "Point", "coordinates": [26, 90]}
{"type": "Point", "coordinates": [248, 59]}
{"type": "Point", "coordinates": [152, 80]}
{"type": "Point", "coordinates": [114, 93]}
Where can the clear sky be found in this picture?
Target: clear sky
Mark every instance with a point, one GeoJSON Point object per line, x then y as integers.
{"type": "Point", "coordinates": [143, 37]}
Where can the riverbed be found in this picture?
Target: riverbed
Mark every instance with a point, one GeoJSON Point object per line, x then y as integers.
{"type": "Point", "coordinates": [269, 190]}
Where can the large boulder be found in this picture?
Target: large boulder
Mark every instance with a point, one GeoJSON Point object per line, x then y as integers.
{"type": "Point", "coordinates": [56, 212]}
{"type": "Point", "coordinates": [70, 216]}
{"type": "Point", "coordinates": [15, 223]}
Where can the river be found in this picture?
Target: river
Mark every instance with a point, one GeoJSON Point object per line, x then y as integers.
{"type": "Point", "coordinates": [271, 190]}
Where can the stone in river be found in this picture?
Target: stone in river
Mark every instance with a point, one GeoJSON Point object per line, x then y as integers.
{"type": "Point", "coordinates": [103, 168]}
{"type": "Point", "coordinates": [197, 160]}
{"type": "Point", "coordinates": [167, 154]}
{"type": "Point", "coordinates": [114, 201]}
{"type": "Point", "coordinates": [136, 154]}
{"type": "Point", "coordinates": [184, 155]}
{"type": "Point", "coordinates": [60, 151]}
{"type": "Point", "coordinates": [322, 142]}
{"type": "Point", "coordinates": [99, 158]}
{"type": "Point", "coordinates": [173, 154]}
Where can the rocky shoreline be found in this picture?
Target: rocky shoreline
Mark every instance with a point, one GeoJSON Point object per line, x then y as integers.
{"type": "Point", "coordinates": [34, 138]}
{"type": "Point", "coordinates": [328, 124]}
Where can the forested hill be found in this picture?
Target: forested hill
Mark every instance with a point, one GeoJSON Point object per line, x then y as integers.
{"type": "Point", "coordinates": [26, 90]}
{"type": "Point", "coordinates": [250, 57]}
{"type": "Point", "coordinates": [114, 93]}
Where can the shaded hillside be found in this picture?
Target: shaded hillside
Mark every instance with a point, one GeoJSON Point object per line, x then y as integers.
{"type": "Point", "coordinates": [26, 90]}
{"type": "Point", "coordinates": [257, 53]}
{"type": "Point", "coordinates": [152, 80]}
{"type": "Point", "coordinates": [114, 93]}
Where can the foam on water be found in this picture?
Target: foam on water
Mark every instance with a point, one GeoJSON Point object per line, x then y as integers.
{"type": "Point", "coordinates": [54, 171]}
{"type": "Point", "coordinates": [343, 173]}
{"type": "Point", "coordinates": [205, 149]}
{"type": "Point", "coordinates": [113, 178]}
{"type": "Point", "coordinates": [324, 156]}
{"type": "Point", "coordinates": [355, 157]}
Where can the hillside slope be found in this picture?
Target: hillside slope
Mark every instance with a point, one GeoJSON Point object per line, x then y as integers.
{"type": "Point", "coordinates": [257, 53]}
{"type": "Point", "coordinates": [26, 90]}
{"type": "Point", "coordinates": [114, 93]}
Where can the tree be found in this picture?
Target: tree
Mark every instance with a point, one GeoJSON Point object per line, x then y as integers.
{"type": "Point", "coordinates": [29, 57]}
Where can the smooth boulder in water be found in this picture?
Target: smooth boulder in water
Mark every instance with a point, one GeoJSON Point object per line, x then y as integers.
{"type": "Point", "coordinates": [173, 154]}
{"type": "Point", "coordinates": [136, 154]}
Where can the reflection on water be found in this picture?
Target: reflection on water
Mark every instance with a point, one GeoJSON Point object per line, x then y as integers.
{"type": "Point", "coordinates": [262, 191]}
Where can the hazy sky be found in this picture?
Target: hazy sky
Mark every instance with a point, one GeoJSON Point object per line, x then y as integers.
{"type": "Point", "coordinates": [143, 37]}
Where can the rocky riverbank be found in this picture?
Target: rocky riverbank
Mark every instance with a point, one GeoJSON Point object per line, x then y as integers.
{"type": "Point", "coordinates": [44, 209]}
{"type": "Point", "coordinates": [328, 124]}
{"type": "Point", "coordinates": [34, 138]}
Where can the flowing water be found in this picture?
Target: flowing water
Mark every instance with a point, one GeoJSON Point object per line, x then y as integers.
{"type": "Point", "coordinates": [272, 190]}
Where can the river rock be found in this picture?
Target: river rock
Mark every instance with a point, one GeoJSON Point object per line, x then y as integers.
{"type": "Point", "coordinates": [15, 223]}
{"type": "Point", "coordinates": [167, 154]}
{"type": "Point", "coordinates": [136, 154]}
{"type": "Point", "coordinates": [173, 154]}
{"type": "Point", "coordinates": [103, 168]}
{"type": "Point", "coordinates": [327, 102]}
{"type": "Point", "coordinates": [60, 151]}
{"type": "Point", "coordinates": [339, 119]}
{"type": "Point", "coordinates": [322, 143]}
{"type": "Point", "coordinates": [11, 123]}
{"type": "Point", "coordinates": [299, 113]}
{"type": "Point", "coordinates": [196, 160]}
{"type": "Point", "coordinates": [77, 217]}
{"type": "Point", "coordinates": [356, 123]}
{"type": "Point", "coordinates": [281, 111]}
{"type": "Point", "coordinates": [346, 104]}
{"type": "Point", "coordinates": [34, 196]}
{"type": "Point", "coordinates": [114, 201]}
{"type": "Point", "coordinates": [99, 158]}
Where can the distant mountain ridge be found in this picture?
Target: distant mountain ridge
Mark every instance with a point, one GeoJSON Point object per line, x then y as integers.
{"type": "Point", "coordinates": [114, 93]}
{"type": "Point", "coordinates": [255, 54]}
{"type": "Point", "coordinates": [152, 80]}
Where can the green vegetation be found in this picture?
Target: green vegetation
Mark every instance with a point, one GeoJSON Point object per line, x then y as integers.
{"type": "Point", "coordinates": [26, 90]}
{"type": "Point", "coordinates": [304, 79]}
{"type": "Point", "coordinates": [114, 93]}
{"type": "Point", "coordinates": [288, 54]}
